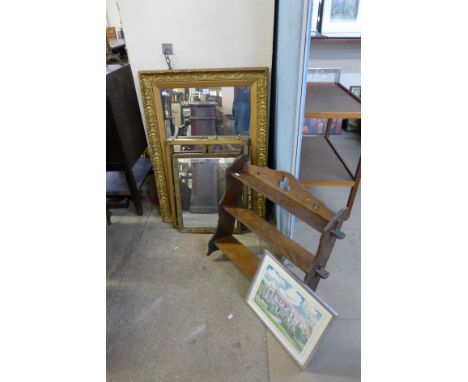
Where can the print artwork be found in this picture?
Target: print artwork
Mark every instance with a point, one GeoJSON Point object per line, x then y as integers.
{"type": "Point", "coordinates": [344, 10]}
{"type": "Point", "coordinates": [294, 314]}
{"type": "Point", "coordinates": [287, 308]}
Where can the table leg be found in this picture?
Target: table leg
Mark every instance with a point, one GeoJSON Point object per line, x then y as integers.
{"type": "Point", "coordinates": [354, 189]}
{"type": "Point", "coordinates": [329, 125]}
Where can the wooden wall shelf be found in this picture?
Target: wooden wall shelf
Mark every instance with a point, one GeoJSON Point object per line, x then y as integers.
{"type": "Point", "coordinates": [285, 191]}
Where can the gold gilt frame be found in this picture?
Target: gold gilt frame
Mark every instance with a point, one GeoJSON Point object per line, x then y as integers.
{"type": "Point", "coordinates": [206, 143]}
{"type": "Point", "coordinates": [153, 81]}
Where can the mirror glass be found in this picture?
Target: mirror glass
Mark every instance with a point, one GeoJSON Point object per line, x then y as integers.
{"type": "Point", "coordinates": [214, 148]}
{"type": "Point", "coordinates": [200, 185]}
{"type": "Point", "coordinates": [206, 111]}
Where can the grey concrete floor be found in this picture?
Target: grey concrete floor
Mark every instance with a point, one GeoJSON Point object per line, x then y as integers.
{"type": "Point", "coordinates": [338, 357]}
{"type": "Point", "coordinates": [169, 306]}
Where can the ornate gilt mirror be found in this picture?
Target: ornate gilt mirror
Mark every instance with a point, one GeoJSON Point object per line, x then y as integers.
{"type": "Point", "coordinates": [203, 102]}
{"type": "Point", "coordinates": [198, 178]}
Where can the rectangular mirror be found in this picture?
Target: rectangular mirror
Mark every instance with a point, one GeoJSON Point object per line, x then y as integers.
{"type": "Point", "coordinates": [199, 183]}
{"type": "Point", "coordinates": [202, 102]}
{"type": "Point", "coordinates": [206, 111]}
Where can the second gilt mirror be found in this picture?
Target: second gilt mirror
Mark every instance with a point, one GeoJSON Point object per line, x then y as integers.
{"type": "Point", "coordinates": [199, 183]}
{"type": "Point", "coordinates": [204, 102]}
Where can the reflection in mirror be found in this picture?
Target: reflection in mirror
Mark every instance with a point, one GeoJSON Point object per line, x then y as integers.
{"type": "Point", "coordinates": [200, 185]}
{"type": "Point", "coordinates": [206, 111]}
{"type": "Point", "coordinates": [224, 148]}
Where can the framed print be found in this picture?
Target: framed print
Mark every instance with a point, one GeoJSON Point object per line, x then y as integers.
{"type": "Point", "coordinates": [341, 18]}
{"type": "Point", "coordinates": [295, 315]}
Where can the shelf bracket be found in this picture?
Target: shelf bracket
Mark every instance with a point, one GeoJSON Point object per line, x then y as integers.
{"type": "Point", "coordinates": [322, 272]}
{"type": "Point", "coordinates": [338, 234]}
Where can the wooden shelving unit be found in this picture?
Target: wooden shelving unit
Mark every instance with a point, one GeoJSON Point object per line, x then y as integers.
{"type": "Point", "coordinates": [321, 163]}
{"type": "Point", "coordinates": [285, 191]}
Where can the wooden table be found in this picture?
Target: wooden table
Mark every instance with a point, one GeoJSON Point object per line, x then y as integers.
{"type": "Point", "coordinates": [321, 164]}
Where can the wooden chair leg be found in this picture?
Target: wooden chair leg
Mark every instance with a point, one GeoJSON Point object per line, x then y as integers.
{"type": "Point", "coordinates": [136, 197]}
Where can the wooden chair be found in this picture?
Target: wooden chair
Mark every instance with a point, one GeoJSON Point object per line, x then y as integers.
{"type": "Point", "coordinates": [286, 191]}
{"type": "Point", "coordinates": [125, 139]}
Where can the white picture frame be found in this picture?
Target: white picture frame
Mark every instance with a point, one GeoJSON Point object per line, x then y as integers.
{"type": "Point", "coordinates": [341, 18]}
{"type": "Point", "coordinates": [293, 313]}
{"type": "Point", "coordinates": [314, 27]}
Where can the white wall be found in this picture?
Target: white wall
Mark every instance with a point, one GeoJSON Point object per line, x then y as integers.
{"type": "Point", "coordinates": [205, 33]}
{"type": "Point", "coordinates": [112, 14]}
{"type": "Point", "coordinates": [344, 55]}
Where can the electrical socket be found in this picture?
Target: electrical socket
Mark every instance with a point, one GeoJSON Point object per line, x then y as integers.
{"type": "Point", "coordinates": [167, 47]}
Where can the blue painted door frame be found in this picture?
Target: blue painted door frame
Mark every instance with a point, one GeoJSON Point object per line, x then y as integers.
{"type": "Point", "coordinates": [290, 62]}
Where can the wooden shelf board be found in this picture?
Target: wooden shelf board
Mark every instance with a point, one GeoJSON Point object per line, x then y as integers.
{"type": "Point", "coordinates": [239, 254]}
{"type": "Point", "coordinates": [331, 100]}
{"type": "Point", "coordinates": [278, 242]}
{"type": "Point", "coordinates": [301, 205]}
{"type": "Point", "coordinates": [320, 165]}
